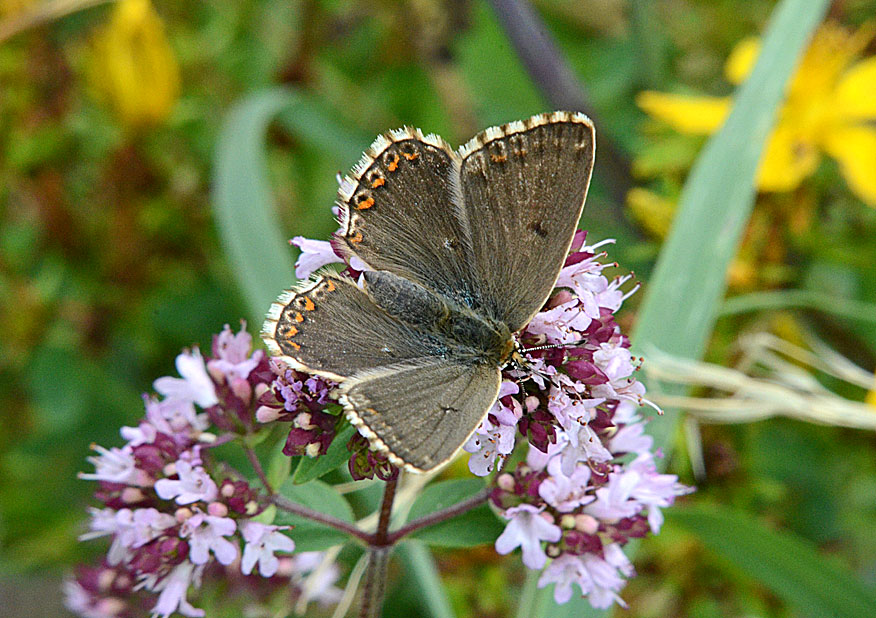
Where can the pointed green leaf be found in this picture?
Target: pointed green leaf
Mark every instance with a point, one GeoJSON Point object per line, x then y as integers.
{"type": "Point", "coordinates": [791, 567]}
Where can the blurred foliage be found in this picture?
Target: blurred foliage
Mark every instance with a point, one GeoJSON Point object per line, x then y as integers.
{"type": "Point", "coordinates": [110, 263]}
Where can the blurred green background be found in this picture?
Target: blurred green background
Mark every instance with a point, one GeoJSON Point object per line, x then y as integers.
{"type": "Point", "coordinates": [110, 261]}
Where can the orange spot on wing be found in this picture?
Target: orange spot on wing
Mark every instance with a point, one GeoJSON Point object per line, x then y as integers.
{"type": "Point", "coordinates": [308, 304]}
{"type": "Point", "coordinates": [294, 345]}
{"type": "Point", "coordinates": [298, 317]}
{"type": "Point", "coordinates": [410, 156]}
{"type": "Point", "coordinates": [356, 238]}
{"type": "Point", "coordinates": [292, 331]}
{"type": "Point", "coordinates": [330, 286]}
{"type": "Point", "coordinates": [393, 165]}
{"type": "Point", "coordinates": [378, 182]}
{"type": "Point", "coordinates": [365, 204]}
{"type": "Point", "coordinates": [499, 158]}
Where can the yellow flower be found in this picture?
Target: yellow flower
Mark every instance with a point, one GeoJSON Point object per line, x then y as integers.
{"type": "Point", "coordinates": [652, 211]}
{"type": "Point", "coordinates": [133, 66]}
{"type": "Point", "coordinates": [830, 108]}
{"type": "Point", "coordinates": [871, 396]}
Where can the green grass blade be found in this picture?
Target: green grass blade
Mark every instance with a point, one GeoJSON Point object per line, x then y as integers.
{"type": "Point", "coordinates": [684, 295]}
{"type": "Point", "coordinates": [244, 207]}
{"type": "Point", "coordinates": [420, 566]}
{"type": "Point", "coordinates": [800, 299]}
{"type": "Point", "coordinates": [789, 566]}
{"type": "Point", "coordinates": [243, 204]}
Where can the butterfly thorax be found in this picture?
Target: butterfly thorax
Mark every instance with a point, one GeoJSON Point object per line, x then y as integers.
{"type": "Point", "coordinates": [488, 340]}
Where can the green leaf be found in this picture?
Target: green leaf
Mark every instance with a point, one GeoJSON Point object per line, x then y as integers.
{"type": "Point", "coordinates": [318, 496]}
{"type": "Point", "coordinates": [789, 566]}
{"type": "Point", "coordinates": [243, 204]}
{"type": "Point", "coordinates": [441, 495]}
{"type": "Point", "coordinates": [684, 295]}
{"type": "Point", "coordinates": [420, 565]}
{"type": "Point", "coordinates": [308, 534]}
{"type": "Point", "coordinates": [242, 201]}
{"type": "Point", "coordinates": [479, 526]}
{"type": "Point", "coordinates": [310, 468]}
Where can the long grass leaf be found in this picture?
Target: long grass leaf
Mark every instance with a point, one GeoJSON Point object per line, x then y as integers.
{"type": "Point", "coordinates": [789, 566]}
{"type": "Point", "coordinates": [243, 204]}
{"type": "Point", "coordinates": [420, 566]}
{"type": "Point", "coordinates": [684, 295]}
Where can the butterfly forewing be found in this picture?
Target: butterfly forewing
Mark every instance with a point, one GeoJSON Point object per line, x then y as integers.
{"type": "Point", "coordinates": [421, 414]}
{"type": "Point", "coordinates": [400, 212]}
{"type": "Point", "coordinates": [524, 184]}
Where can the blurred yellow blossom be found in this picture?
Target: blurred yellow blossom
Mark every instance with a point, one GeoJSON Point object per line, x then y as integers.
{"type": "Point", "coordinates": [871, 396]}
{"type": "Point", "coordinates": [133, 67]}
{"type": "Point", "coordinates": [652, 211]}
{"type": "Point", "coordinates": [9, 8]}
{"type": "Point", "coordinates": [830, 107]}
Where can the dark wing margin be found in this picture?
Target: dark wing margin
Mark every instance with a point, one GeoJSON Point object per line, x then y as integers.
{"type": "Point", "coordinates": [400, 211]}
{"type": "Point", "coordinates": [420, 414]}
{"type": "Point", "coordinates": [523, 187]}
{"type": "Point", "coordinates": [331, 327]}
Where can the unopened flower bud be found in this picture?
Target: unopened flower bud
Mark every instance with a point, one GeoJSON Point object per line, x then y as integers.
{"type": "Point", "coordinates": [242, 389]}
{"type": "Point", "coordinates": [217, 509]}
{"type": "Point", "coordinates": [547, 517]}
{"type": "Point", "coordinates": [105, 579]}
{"type": "Point", "coordinates": [265, 414]}
{"type": "Point", "coordinates": [586, 523]}
{"type": "Point", "coordinates": [131, 495]}
{"type": "Point", "coordinates": [505, 481]}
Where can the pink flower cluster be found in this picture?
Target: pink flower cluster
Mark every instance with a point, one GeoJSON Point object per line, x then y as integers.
{"type": "Point", "coordinates": [589, 482]}
{"type": "Point", "coordinates": [171, 513]}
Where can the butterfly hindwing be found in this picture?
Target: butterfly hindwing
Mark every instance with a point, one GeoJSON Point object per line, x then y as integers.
{"type": "Point", "coordinates": [421, 413]}
{"type": "Point", "coordinates": [331, 327]}
{"type": "Point", "coordinates": [525, 184]}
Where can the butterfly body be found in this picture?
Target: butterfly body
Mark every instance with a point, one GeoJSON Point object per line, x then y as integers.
{"type": "Point", "coordinates": [463, 248]}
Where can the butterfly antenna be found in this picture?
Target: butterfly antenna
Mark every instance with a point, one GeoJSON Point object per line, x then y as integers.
{"type": "Point", "coordinates": [551, 346]}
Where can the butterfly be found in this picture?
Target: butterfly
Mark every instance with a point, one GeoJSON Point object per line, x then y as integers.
{"type": "Point", "coordinates": [462, 249]}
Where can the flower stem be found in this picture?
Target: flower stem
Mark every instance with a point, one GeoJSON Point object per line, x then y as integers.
{"type": "Point", "coordinates": [382, 534]}
{"type": "Point", "coordinates": [378, 557]}
{"type": "Point", "coordinates": [439, 516]}
{"type": "Point", "coordinates": [554, 77]}
{"type": "Point", "coordinates": [374, 588]}
{"type": "Point", "coordinates": [328, 520]}
{"type": "Point", "coordinates": [259, 470]}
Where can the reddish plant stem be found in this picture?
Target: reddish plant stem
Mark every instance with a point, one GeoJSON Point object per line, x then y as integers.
{"type": "Point", "coordinates": [374, 588]}
{"type": "Point", "coordinates": [257, 466]}
{"type": "Point", "coordinates": [439, 516]}
{"type": "Point", "coordinates": [382, 534]}
{"type": "Point", "coordinates": [382, 537]}
{"type": "Point", "coordinates": [322, 518]}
